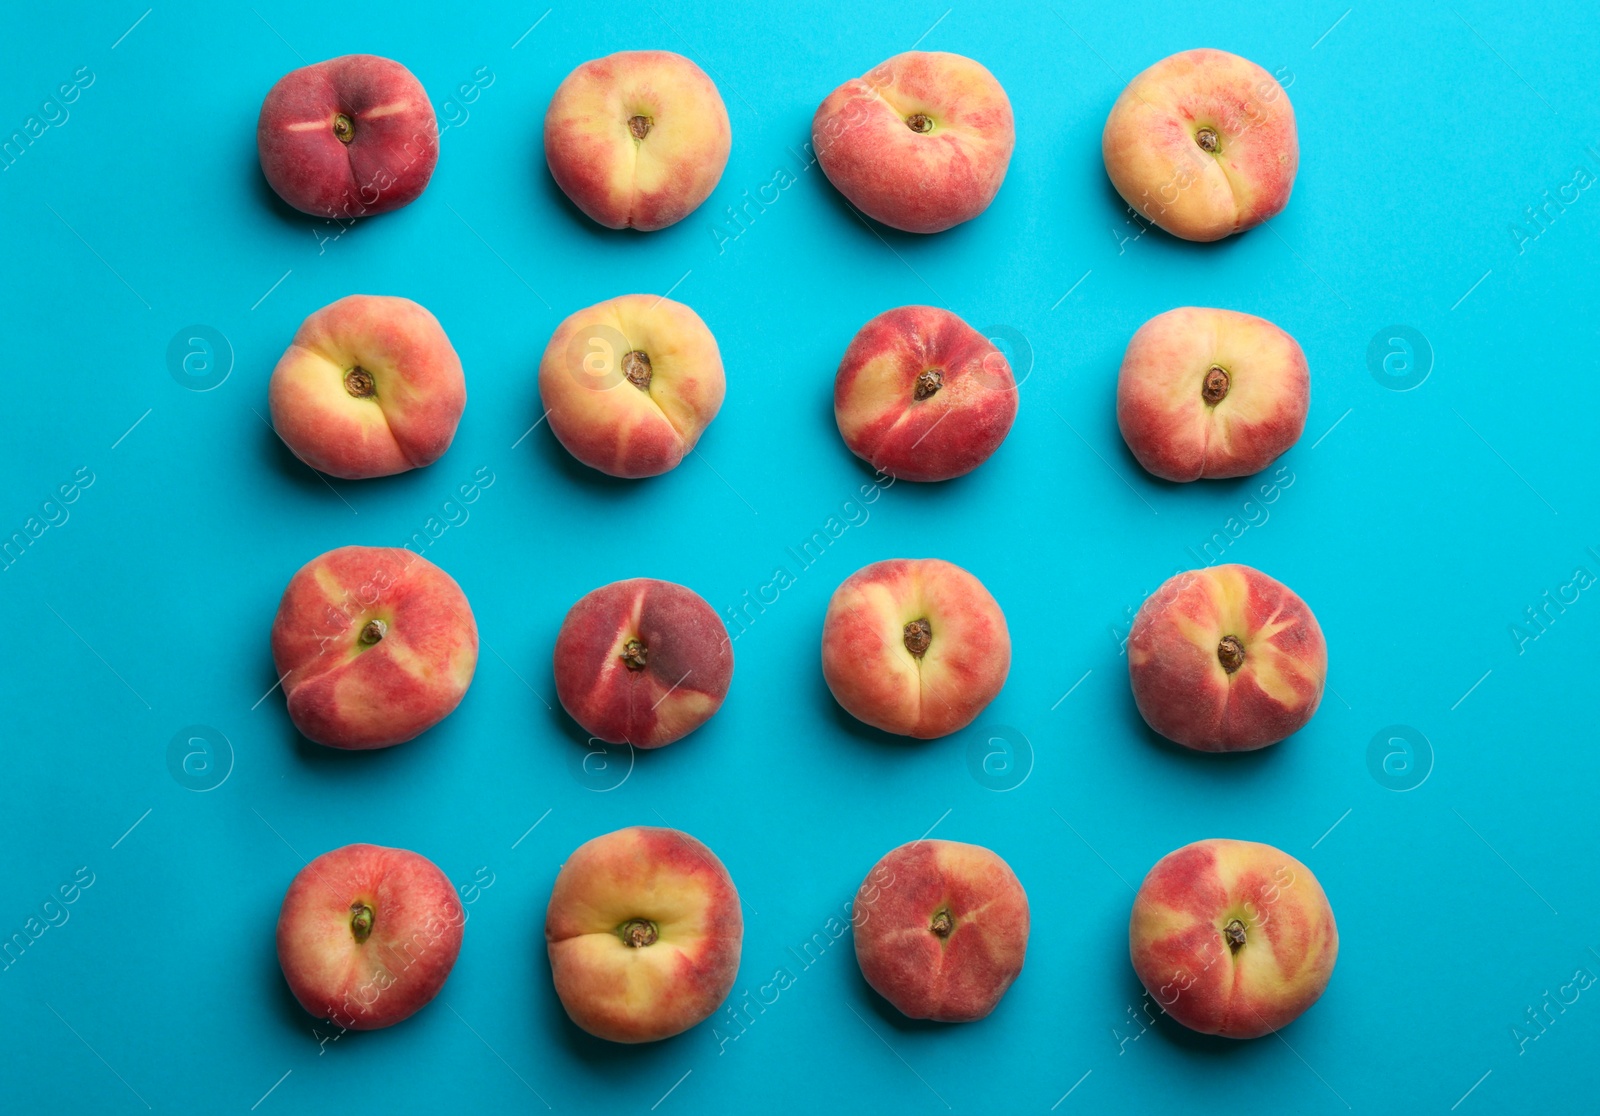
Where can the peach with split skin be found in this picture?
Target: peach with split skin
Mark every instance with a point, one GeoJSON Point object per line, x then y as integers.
{"type": "Point", "coordinates": [941, 930]}
{"type": "Point", "coordinates": [630, 384]}
{"type": "Point", "coordinates": [637, 139]}
{"type": "Point", "coordinates": [370, 386]}
{"type": "Point", "coordinates": [1232, 938]}
{"type": "Point", "coordinates": [374, 646]}
{"type": "Point", "coordinates": [1203, 143]}
{"type": "Point", "coordinates": [1207, 393]}
{"type": "Point", "coordinates": [644, 931]}
{"type": "Point", "coordinates": [920, 144]}
{"type": "Point", "coordinates": [1226, 659]}
{"type": "Point", "coordinates": [367, 935]}
{"type": "Point", "coordinates": [349, 137]}
{"type": "Point", "coordinates": [922, 396]}
{"type": "Point", "coordinates": [914, 646]}
{"type": "Point", "coordinates": [642, 662]}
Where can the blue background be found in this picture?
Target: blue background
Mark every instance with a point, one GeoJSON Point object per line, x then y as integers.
{"type": "Point", "coordinates": [1419, 524]}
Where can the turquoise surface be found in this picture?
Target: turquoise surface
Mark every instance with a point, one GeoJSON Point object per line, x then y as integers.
{"type": "Point", "coordinates": [1437, 263]}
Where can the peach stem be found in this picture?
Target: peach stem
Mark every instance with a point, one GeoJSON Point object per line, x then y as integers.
{"type": "Point", "coordinates": [640, 126]}
{"type": "Point", "coordinates": [1207, 139]}
{"type": "Point", "coordinates": [637, 932]}
{"type": "Point", "coordinates": [635, 654]}
{"type": "Point", "coordinates": [917, 635]}
{"type": "Point", "coordinates": [1234, 932]}
{"type": "Point", "coordinates": [942, 924]}
{"type": "Point", "coordinates": [361, 917]}
{"type": "Point", "coordinates": [344, 128]}
{"type": "Point", "coordinates": [373, 632]}
{"type": "Point", "coordinates": [1230, 653]}
{"type": "Point", "coordinates": [1215, 386]}
{"type": "Point", "coordinates": [359, 382]}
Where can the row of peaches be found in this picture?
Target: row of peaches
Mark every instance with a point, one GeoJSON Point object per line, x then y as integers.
{"type": "Point", "coordinates": [1203, 143]}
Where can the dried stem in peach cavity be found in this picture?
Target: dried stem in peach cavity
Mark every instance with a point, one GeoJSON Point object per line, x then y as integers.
{"type": "Point", "coordinates": [942, 924]}
{"type": "Point", "coordinates": [1215, 386]}
{"type": "Point", "coordinates": [1208, 140]}
{"type": "Point", "coordinates": [359, 382]}
{"type": "Point", "coordinates": [917, 636]}
{"type": "Point", "coordinates": [361, 917]}
{"type": "Point", "coordinates": [928, 384]}
{"type": "Point", "coordinates": [344, 128]}
{"type": "Point", "coordinates": [1230, 653]}
{"type": "Point", "coordinates": [637, 933]}
{"type": "Point", "coordinates": [919, 123]}
{"type": "Point", "coordinates": [635, 654]}
{"type": "Point", "coordinates": [1234, 932]}
{"type": "Point", "coordinates": [636, 367]}
{"type": "Point", "coordinates": [373, 632]}
{"type": "Point", "coordinates": [640, 126]}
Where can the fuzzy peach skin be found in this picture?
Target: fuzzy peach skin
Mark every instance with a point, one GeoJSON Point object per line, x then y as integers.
{"type": "Point", "coordinates": [1203, 143]}
{"type": "Point", "coordinates": [922, 396]}
{"type": "Point", "coordinates": [370, 386]}
{"type": "Point", "coordinates": [637, 139]}
{"type": "Point", "coordinates": [914, 646]}
{"type": "Point", "coordinates": [349, 137]}
{"type": "Point", "coordinates": [1211, 393]}
{"type": "Point", "coordinates": [630, 384]}
{"type": "Point", "coordinates": [1226, 659]}
{"type": "Point", "coordinates": [921, 143]}
{"type": "Point", "coordinates": [941, 929]}
{"type": "Point", "coordinates": [1232, 938]}
{"type": "Point", "coordinates": [368, 935]}
{"type": "Point", "coordinates": [644, 931]}
{"type": "Point", "coordinates": [642, 662]}
{"type": "Point", "coordinates": [374, 644]}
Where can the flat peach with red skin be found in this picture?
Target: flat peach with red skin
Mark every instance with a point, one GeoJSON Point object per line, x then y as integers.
{"type": "Point", "coordinates": [367, 935]}
{"type": "Point", "coordinates": [630, 384]}
{"type": "Point", "coordinates": [1232, 938]}
{"type": "Point", "coordinates": [375, 645]}
{"type": "Point", "coordinates": [1206, 393]}
{"type": "Point", "coordinates": [941, 929]}
{"type": "Point", "coordinates": [1203, 143]}
{"type": "Point", "coordinates": [922, 396]}
{"type": "Point", "coordinates": [637, 139]}
{"type": "Point", "coordinates": [350, 137]}
{"type": "Point", "coordinates": [642, 662]}
{"type": "Point", "coordinates": [921, 143]}
{"type": "Point", "coordinates": [644, 932]}
{"type": "Point", "coordinates": [370, 386]}
{"type": "Point", "coordinates": [1226, 659]}
{"type": "Point", "coordinates": [879, 618]}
